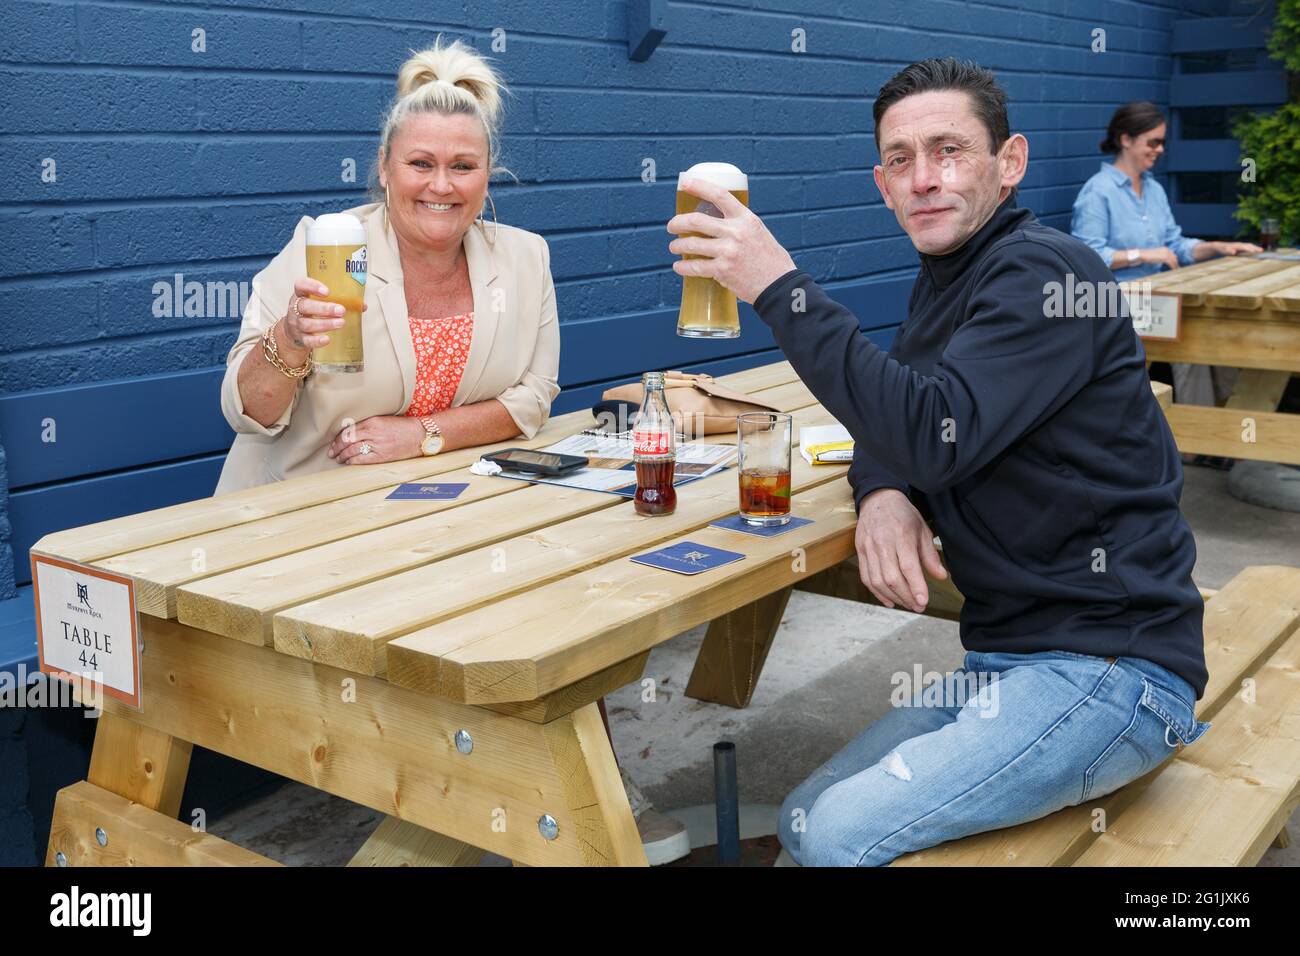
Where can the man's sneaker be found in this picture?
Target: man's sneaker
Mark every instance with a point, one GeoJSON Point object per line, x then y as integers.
{"type": "Point", "coordinates": [662, 837]}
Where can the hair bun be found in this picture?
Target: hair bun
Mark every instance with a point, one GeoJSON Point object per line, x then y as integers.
{"type": "Point", "coordinates": [456, 65]}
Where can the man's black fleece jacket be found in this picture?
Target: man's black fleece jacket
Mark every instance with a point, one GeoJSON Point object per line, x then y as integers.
{"type": "Point", "coordinates": [1032, 440]}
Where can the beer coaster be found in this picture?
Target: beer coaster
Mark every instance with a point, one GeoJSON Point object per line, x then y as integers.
{"type": "Point", "coordinates": [427, 491]}
{"type": "Point", "coordinates": [688, 558]}
{"type": "Point", "coordinates": [736, 523]}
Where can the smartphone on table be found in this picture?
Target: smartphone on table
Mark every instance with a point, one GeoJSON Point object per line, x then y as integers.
{"type": "Point", "coordinates": [534, 462]}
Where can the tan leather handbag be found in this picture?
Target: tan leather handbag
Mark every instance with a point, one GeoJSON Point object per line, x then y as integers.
{"type": "Point", "coordinates": [700, 405]}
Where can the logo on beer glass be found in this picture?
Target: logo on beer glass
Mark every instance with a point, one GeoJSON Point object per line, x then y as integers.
{"type": "Point", "coordinates": [356, 266]}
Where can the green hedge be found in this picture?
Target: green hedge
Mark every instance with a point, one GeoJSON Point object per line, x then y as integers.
{"type": "Point", "coordinates": [1272, 140]}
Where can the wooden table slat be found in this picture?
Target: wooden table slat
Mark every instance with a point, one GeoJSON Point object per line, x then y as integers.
{"type": "Point", "coordinates": [1196, 279]}
{"type": "Point", "coordinates": [1287, 300]}
{"type": "Point", "coordinates": [1251, 293]}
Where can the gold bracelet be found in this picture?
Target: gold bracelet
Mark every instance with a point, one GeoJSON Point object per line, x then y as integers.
{"type": "Point", "coordinates": [272, 354]}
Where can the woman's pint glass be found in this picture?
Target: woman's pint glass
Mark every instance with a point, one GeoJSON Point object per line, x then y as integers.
{"type": "Point", "coordinates": [336, 256]}
{"type": "Point", "coordinates": [764, 440]}
{"type": "Point", "coordinates": [708, 309]}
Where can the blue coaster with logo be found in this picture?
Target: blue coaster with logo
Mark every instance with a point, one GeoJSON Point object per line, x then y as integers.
{"type": "Point", "coordinates": [688, 558]}
{"type": "Point", "coordinates": [427, 491]}
{"type": "Point", "coordinates": [737, 523]}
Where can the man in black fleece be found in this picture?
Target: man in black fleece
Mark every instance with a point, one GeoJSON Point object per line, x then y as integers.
{"type": "Point", "coordinates": [1015, 412]}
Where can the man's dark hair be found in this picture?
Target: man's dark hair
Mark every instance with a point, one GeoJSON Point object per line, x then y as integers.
{"type": "Point", "coordinates": [934, 75]}
{"type": "Point", "coordinates": [1134, 119]}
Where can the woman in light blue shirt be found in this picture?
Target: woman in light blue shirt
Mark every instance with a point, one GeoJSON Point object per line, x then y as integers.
{"type": "Point", "coordinates": [1123, 214]}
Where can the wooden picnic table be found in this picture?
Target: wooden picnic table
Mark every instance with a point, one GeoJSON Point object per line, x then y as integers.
{"type": "Point", "coordinates": [1242, 312]}
{"type": "Point", "coordinates": [438, 661]}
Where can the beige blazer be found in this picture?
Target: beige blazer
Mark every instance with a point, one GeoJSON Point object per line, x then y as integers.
{"type": "Point", "coordinates": [514, 354]}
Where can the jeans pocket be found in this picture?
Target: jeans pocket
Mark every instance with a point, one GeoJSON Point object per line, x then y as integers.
{"type": "Point", "coordinates": [1162, 721]}
{"type": "Point", "coordinates": [1175, 712]}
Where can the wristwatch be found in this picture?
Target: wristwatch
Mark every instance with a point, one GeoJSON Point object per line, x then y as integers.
{"type": "Point", "coordinates": [433, 440]}
{"type": "Point", "coordinates": [1134, 256]}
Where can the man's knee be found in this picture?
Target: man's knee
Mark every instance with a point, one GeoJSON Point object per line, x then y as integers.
{"type": "Point", "coordinates": [793, 821]}
{"type": "Point", "coordinates": [847, 825]}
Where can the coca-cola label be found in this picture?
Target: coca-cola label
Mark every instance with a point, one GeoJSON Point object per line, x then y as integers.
{"type": "Point", "coordinates": [647, 442]}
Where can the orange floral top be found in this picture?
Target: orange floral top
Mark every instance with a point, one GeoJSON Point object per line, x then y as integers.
{"type": "Point", "coordinates": [441, 348]}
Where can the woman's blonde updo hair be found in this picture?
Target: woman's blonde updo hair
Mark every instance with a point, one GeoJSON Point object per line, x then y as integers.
{"type": "Point", "coordinates": [447, 79]}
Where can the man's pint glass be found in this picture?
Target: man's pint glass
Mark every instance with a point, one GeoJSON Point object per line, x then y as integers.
{"type": "Point", "coordinates": [709, 310]}
{"type": "Point", "coordinates": [336, 256]}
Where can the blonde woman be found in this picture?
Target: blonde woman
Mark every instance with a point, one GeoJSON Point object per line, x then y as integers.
{"type": "Point", "coordinates": [461, 339]}
{"type": "Point", "coordinates": [460, 335]}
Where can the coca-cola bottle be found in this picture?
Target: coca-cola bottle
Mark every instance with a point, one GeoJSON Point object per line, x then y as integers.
{"type": "Point", "coordinates": [654, 450]}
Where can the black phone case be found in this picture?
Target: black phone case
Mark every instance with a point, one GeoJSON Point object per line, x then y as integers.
{"type": "Point", "coordinates": [534, 469]}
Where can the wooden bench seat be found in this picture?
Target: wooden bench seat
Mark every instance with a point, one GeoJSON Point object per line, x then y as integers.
{"type": "Point", "coordinates": [1219, 802]}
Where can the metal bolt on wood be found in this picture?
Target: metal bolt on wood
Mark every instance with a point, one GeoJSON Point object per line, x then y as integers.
{"type": "Point", "coordinates": [547, 826]}
{"type": "Point", "coordinates": [464, 742]}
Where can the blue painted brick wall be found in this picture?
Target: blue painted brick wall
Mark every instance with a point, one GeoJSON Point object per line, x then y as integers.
{"type": "Point", "coordinates": [171, 161]}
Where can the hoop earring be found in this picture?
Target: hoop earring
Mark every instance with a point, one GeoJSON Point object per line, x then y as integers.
{"type": "Point", "coordinates": [386, 197]}
{"type": "Point", "coordinates": [483, 225]}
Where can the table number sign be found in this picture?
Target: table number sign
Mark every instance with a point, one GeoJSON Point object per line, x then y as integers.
{"type": "Point", "coordinates": [87, 630]}
{"type": "Point", "coordinates": [1156, 315]}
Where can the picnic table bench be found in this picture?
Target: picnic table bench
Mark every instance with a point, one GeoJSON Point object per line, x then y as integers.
{"type": "Point", "coordinates": [1242, 312]}
{"type": "Point", "coordinates": [440, 661]}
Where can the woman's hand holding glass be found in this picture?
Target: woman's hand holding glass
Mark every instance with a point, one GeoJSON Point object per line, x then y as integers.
{"type": "Point", "coordinates": [307, 321]}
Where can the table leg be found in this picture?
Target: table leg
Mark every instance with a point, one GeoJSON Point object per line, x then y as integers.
{"type": "Point", "coordinates": [1258, 389]}
{"type": "Point", "coordinates": [734, 651]}
{"type": "Point", "coordinates": [402, 843]}
{"type": "Point", "coordinates": [584, 759]}
{"type": "Point", "coordinates": [145, 765]}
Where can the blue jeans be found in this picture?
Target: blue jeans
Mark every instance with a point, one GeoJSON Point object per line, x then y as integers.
{"type": "Point", "coordinates": [1027, 735]}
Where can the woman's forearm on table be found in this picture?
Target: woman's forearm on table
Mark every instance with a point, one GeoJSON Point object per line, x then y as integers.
{"type": "Point", "coordinates": [478, 424]}
{"type": "Point", "coordinates": [264, 390]}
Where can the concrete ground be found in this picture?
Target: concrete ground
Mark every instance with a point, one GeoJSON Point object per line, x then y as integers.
{"type": "Point", "coordinates": [826, 678]}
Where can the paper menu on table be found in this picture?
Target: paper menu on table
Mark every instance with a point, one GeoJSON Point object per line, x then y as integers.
{"type": "Point", "coordinates": [610, 466]}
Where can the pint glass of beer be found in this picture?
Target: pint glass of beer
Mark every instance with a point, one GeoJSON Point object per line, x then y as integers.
{"type": "Point", "coordinates": [336, 256]}
{"type": "Point", "coordinates": [709, 310]}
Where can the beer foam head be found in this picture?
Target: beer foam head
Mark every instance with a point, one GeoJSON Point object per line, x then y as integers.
{"type": "Point", "coordinates": [447, 79]}
{"type": "Point", "coordinates": [336, 229]}
{"type": "Point", "coordinates": [727, 176]}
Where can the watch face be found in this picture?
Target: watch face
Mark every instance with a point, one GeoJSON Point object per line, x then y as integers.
{"type": "Point", "coordinates": [431, 445]}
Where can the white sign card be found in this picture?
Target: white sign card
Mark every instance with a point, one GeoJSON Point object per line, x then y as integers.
{"type": "Point", "coordinates": [1156, 315]}
{"type": "Point", "coordinates": [87, 630]}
